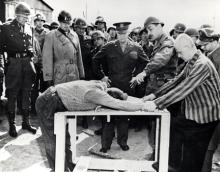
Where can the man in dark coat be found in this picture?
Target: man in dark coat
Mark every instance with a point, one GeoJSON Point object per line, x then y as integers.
{"type": "Point", "coordinates": [122, 57]}
{"type": "Point", "coordinates": [17, 41]}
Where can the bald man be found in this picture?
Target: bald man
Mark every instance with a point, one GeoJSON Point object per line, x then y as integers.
{"type": "Point", "coordinates": [198, 86]}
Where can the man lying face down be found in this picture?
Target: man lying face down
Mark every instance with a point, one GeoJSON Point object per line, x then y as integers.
{"type": "Point", "coordinates": [77, 96]}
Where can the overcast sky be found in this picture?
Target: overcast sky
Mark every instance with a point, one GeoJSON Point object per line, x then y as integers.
{"type": "Point", "coordinates": [193, 13]}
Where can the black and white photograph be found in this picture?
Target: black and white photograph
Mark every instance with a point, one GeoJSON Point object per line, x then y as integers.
{"type": "Point", "coordinates": [109, 86]}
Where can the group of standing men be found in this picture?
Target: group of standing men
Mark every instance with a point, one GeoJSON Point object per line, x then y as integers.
{"type": "Point", "coordinates": [33, 57]}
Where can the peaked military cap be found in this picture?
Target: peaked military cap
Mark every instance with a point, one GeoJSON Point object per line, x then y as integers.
{"type": "Point", "coordinates": [121, 26]}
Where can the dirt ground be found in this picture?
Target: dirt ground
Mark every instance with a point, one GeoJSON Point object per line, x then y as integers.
{"type": "Point", "coordinates": [26, 152]}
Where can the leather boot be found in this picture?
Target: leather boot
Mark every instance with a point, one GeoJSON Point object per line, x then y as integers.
{"type": "Point", "coordinates": [12, 128]}
{"type": "Point", "coordinates": [26, 122]}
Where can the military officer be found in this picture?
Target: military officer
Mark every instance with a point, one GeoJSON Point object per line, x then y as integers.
{"type": "Point", "coordinates": [62, 59]}
{"type": "Point", "coordinates": [122, 57]}
{"type": "Point", "coordinates": [17, 41]}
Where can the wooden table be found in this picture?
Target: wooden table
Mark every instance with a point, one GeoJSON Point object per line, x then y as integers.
{"type": "Point", "coordinates": [161, 149]}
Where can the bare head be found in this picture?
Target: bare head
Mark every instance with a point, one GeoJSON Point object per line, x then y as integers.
{"type": "Point", "coordinates": [185, 47]}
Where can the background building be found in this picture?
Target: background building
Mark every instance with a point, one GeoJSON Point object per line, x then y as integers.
{"type": "Point", "coordinates": [38, 6]}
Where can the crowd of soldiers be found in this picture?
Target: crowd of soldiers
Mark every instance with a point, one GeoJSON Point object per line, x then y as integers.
{"type": "Point", "coordinates": [139, 63]}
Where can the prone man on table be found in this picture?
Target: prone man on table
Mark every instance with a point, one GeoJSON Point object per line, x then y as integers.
{"type": "Point", "coordinates": [78, 96]}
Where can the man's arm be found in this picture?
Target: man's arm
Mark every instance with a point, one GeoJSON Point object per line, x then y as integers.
{"type": "Point", "coordinates": [196, 77]}
{"type": "Point", "coordinates": [159, 60]}
{"type": "Point", "coordinates": [96, 63]}
{"type": "Point", "coordinates": [100, 97]}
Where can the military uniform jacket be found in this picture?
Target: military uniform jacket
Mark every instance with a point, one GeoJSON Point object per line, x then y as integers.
{"type": "Point", "coordinates": [40, 36]}
{"type": "Point", "coordinates": [163, 61]}
{"type": "Point", "coordinates": [13, 40]}
{"type": "Point", "coordinates": [122, 66]}
{"type": "Point", "coordinates": [62, 61]}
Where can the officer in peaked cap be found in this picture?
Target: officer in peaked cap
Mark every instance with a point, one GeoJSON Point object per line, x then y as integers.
{"type": "Point", "coordinates": [178, 29]}
{"type": "Point", "coordinates": [16, 40]}
{"type": "Point", "coordinates": [121, 56]}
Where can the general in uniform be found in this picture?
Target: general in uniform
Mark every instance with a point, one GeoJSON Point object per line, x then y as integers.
{"type": "Point", "coordinates": [16, 41]}
{"type": "Point", "coordinates": [62, 59]}
{"type": "Point", "coordinates": [122, 57]}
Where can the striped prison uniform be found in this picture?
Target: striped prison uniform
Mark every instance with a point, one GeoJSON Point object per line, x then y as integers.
{"type": "Point", "coordinates": [199, 85]}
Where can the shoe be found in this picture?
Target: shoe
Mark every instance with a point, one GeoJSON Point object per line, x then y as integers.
{"type": "Point", "coordinates": [104, 150]}
{"type": "Point", "coordinates": [124, 147]}
{"type": "Point", "coordinates": [12, 131]}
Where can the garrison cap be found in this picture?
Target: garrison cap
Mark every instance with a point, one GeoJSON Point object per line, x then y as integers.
{"type": "Point", "coordinates": [64, 17]}
{"type": "Point", "coordinates": [207, 35]}
{"type": "Point", "coordinates": [192, 32]}
{"type": "Point", "coordinates": [121, 26]}
{"type": "Point", "coordinates": [23, 9]}
{"type": "Point", "coordinates": [152, 20]}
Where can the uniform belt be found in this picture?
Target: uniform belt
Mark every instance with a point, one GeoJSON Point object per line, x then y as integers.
{"type": "Point", "coordinates": [17, 55]}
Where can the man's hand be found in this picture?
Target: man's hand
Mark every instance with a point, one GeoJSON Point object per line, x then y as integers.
{"type": "Point", "coordinates": [149, 106]}
{"type": "Point", "coordinates": [149, 97]}
{"type": "Point", "coordinates": [106, 80]}
{"type": "Point", "coordinates": [133, 82]}
{"type": "Point", "coordinates": [138, 79]}
{"type": "Point", "coordinates": [1, 72]}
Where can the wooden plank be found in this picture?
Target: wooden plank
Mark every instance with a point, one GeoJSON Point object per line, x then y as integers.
{"type": "Point", "coordinates": [164, 143]}
{"type": "Point", "coordinates": [83, 164]}
{"type": "Point", "coordinates": [72, 129]}
{"type": "Point", "coordinates": [120, 164]}
{"type": "Point", "coordinates": [60, 131]}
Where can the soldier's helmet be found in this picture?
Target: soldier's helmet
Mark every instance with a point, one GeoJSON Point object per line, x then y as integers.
{"type": "Point", "coordinates": [179, 27]}
{"type": "Point", "coordinates": [81, 23]}
{"type": "Point", "coordinates": [23, 9]}
{"type": "Point", "coordinates": [192, 32]}
{"type": "Point", "coordinates": [207, 35]}
{"type": "Point", "coordinates": [152, 20]}
{"type": "Point", "coordinates": [100, 19]}
{"type": "Point", "coordinates": [205, 26]}
{"type": "Point", "coordinates": [64, 17]}
{"type": "Point", "coordinates": [39, 17]}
